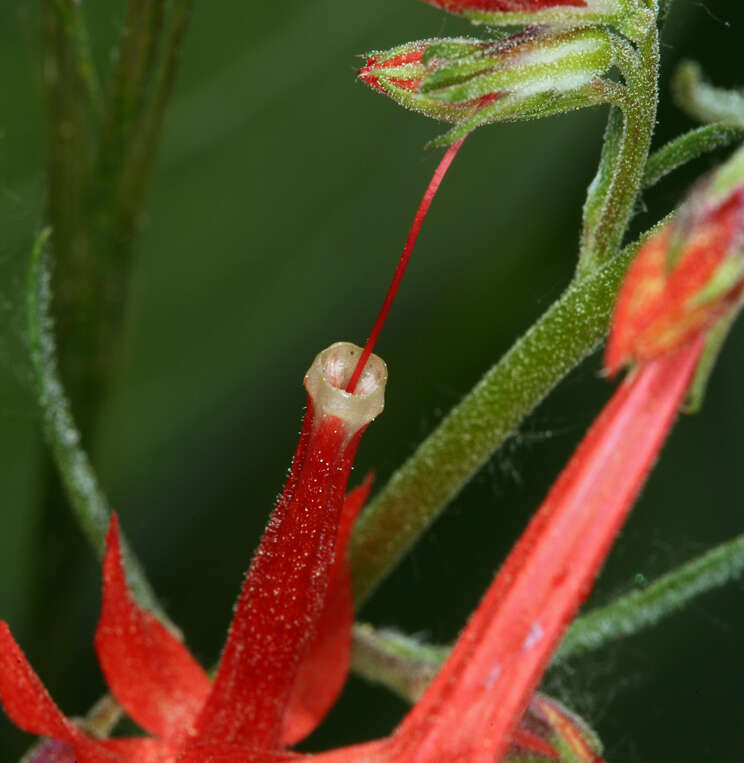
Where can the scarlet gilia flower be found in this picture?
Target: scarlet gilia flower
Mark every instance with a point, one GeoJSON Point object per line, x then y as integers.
{"type": "Point", "coordinates": [684, 278]}
{"type": "Point", "coordinates": [630, 16]}
{"type": "Point", "coordinates": [473, 82]}
{"type": "Point", "coordinates": [287, 651]}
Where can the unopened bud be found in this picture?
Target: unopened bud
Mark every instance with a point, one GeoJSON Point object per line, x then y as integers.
{"type": "Point", "coordinates": [685, 278]}
{"type": "Point", "coordinates": [472, 82]}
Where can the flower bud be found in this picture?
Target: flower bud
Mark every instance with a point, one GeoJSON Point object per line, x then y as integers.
{"type": "Point", "coordinates": [684, 278]}
{"type": "Point", "coordinates": [471, 82]}
{"type": "Point", "coordinates": [629, 16]}
{"type": "Point", "coordinates": [566, 732]}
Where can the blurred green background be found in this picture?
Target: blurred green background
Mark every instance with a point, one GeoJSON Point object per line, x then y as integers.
{"type": "Point", "coordinates": [281, 200]}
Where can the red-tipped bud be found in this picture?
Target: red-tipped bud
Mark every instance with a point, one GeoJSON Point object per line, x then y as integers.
{"type": "Point", "coordinates": [683, 279]}
{"type": "Point", "coordinates": [472, 82]}
{"type": "Point", "coordinates": [399, 73]}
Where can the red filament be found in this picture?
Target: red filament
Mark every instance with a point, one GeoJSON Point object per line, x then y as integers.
{"type": "Point", "coordinates": [405, 256]}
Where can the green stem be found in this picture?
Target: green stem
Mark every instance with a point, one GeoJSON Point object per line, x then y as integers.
{"type": "Point", "coordinates": [71, 141]}
{"type": "Point", "coordinates": [81, 485]}
{"type": "Point", "coordinates": [612, 145]}
{"type": "Point", "coordinates": [613, 193]}
{"type": "Point", "coordinates": [689, 146]}
{"type": "Point", "coordinates": [401, 663]}
{"type": "Point", "coordinates": [100, 162]}
{"type": "Point", "coordinates": [134, 177]}
{"type": "Point", "coordinates": [439, 468]}
{"type": "Point", "coordinates": [664, 597]}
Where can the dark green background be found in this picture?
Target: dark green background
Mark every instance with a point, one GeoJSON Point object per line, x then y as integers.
{"type": "Point", "coordinates": [280, 202]}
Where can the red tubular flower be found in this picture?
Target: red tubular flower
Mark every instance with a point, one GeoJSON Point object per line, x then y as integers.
{"type": "Point", "coordinates": [282, 600]}
{"type": "Point", "coordinates": [287, 651]}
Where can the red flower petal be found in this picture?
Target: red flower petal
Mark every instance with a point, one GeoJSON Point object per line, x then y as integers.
{"type": "Point", "coordinates": [326, 666]}
{"type": "Point", "coordinates": [28, 704]}
{"type": "Point", "coordinates": [369, 72]}
{"type": "Point", "coordinates": [474, 704]}
{"type": "Point", "coordinates": [150, 672]}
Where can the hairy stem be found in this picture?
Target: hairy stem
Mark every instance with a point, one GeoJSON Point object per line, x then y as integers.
{"type": "Point", "coordinates": [401, 663]}
{"type": "Point", "coordinates": [613, 193]}
{"type": "Point", "coordinates": [78, 478]}
{"type": "Point", "coordinates": [440, 467]}
{"type": "Point", "coordinates": [642, 609]}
